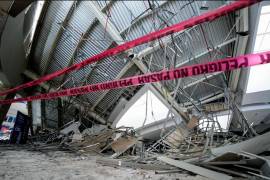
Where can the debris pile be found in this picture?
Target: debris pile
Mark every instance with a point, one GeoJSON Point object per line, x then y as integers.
{"type": "Point", "coordinates": [212, 154]}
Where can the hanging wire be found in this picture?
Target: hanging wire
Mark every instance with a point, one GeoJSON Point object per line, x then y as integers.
{"type": "Point", "coordinates": [108, 15]}
{"type": "Point", "coordinates": [146, 109]}
{"type": "Point", "coordinates": [152, 109]}
{"type": "Point", "coordinates": [264, 34]}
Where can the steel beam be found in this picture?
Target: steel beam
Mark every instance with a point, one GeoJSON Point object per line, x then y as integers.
{"type": "Point", "coordinates": [106, 23]}
{"type": "Point", "coordinates": [204, 100]}
{"type": "Point", "coordinates": [34, 76]}
{"type": "Point", "coordinates": [201, 80]}
{"type": "Point", "coordinates": [206, 52]}
{"type": "Point", "coordinates": [240, 47]}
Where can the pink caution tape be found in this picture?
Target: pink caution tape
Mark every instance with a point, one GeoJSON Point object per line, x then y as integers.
{"type": "Point", "coordinates": [211, 67]}
{"type": "Point", "coordinates": [209, 16]}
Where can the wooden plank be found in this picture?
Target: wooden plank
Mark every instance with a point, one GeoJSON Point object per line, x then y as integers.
{"type": "Point", "coordinates": [254, 155]}
{"type": "Point", "coordinates": [174, 139]}
{"type": "Point", "coordinates": [248, 168]}
{"type": "Point", "coordinates": [214, 107]}
{"type": "Point", "coordinates": [259, 175]}
{"type": "Point", "coordinates": [227, 171]}
{"type": "Point", "coordinates": [195, 169]}
{"type": "Point", "coordinates": [170, 171]}
{"type": "Point", "coordinates": [116, 163]}
{"type": "Point", "coordinates": [225, 162]}
{"type": "Point", "coordinates": [170, 144]}
{"type": "Point", "coordinates": [193, 122]}
{"type": "Point", "coordinates": [229, 156]}
{"type": "Point", "coordinates": [122, 144]}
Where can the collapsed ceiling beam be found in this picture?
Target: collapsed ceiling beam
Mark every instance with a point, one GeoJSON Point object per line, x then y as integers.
{"type": "Point", "coordinates": [116, 36]}
{"type": "Point", "coordinates": [240, 46]}
{"type": "Point", "coordinates": [111, 30]}
{"type": "Point", "coordinates": [207, 99]}
{"type": "Point", "coordinates": [140, 55]}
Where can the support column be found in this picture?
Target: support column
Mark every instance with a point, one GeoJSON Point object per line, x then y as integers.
{"type": "Point", "coordinates": [36, 114]}
{"type": "Point", "coordinates": [30, 114]}
{"type": "Point", "coordinates": [59, 108]}
{"type": "Point", "coordinates": [43, 114]}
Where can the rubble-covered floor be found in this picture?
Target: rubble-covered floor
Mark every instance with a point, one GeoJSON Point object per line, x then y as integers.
{"type": "Point", "coordinates": [23, 164]}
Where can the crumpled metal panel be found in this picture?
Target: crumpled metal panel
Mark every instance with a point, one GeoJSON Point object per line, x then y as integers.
{"type": "Point", "coordinates": [103, 3]}
{"type": "Point", "coordinates": [114, 95]}
{"type": "Point", "coordinates": [78, 24]}
{"type": "Point", "coordinates": [54, 18]}
{"type": "Point", "coordinates": [45, 30]}
{"type": "Point", "coordinates": [123, 12]}
{"type": "Point", "coordinates": [170, 13]}
{"type": "Point", "coordinates": [106, 71]}
{"type": "Point", "coordinates": [96, 41]}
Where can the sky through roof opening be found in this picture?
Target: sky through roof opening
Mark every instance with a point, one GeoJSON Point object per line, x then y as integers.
{"type": "Point", "coordinates": [147, 108]}
{"type": "Point", "coordinates": [223, 121]}
{"type": "Point", "coordinates": [259, 75]}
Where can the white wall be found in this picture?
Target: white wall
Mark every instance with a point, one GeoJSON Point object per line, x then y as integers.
{"type": "Point", "coordinates": [36, 112]}
{"type": "Point", "coordinates": [22, 107]}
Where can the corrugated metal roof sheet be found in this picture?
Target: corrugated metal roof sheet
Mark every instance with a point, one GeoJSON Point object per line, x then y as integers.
{"type": "Point", "coordinates": [133, 19]}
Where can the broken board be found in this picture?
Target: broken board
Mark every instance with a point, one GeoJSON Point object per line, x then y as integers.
{"type": "Point", "coordinates": [122, 144]}
{"type": "Point", "coordinates": [195, 169]}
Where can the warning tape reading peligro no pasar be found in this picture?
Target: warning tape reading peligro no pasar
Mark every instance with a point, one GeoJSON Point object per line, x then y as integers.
{"type": "Point", "coordinates": [209, 16]}
{"type": "Point", "coordinates": [211, 67]}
